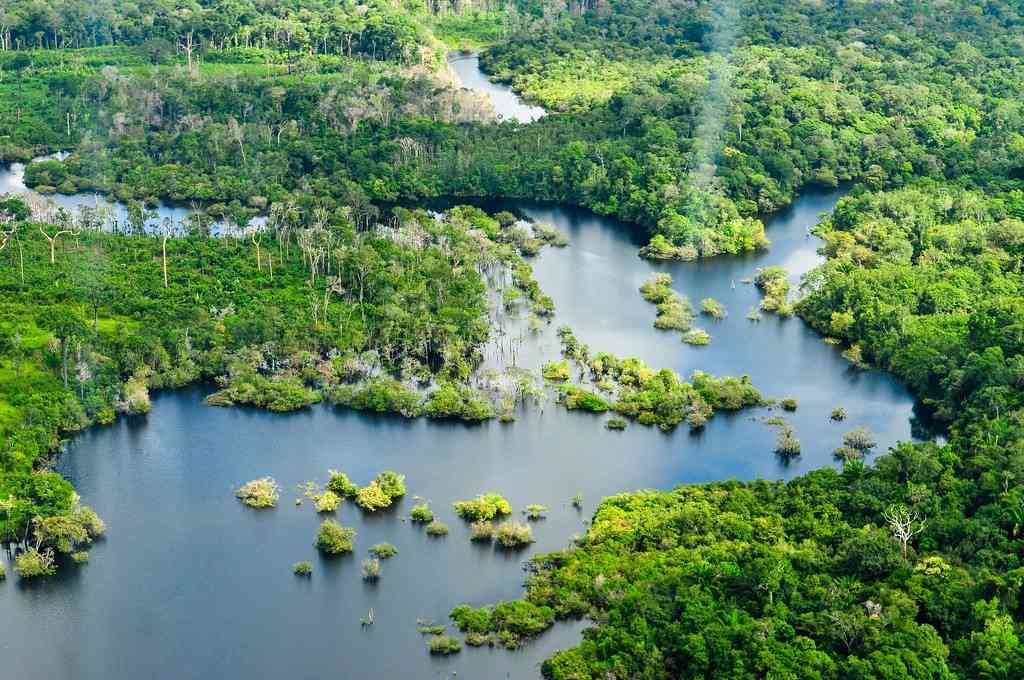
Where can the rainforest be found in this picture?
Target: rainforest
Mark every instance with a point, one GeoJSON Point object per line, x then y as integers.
{"type": "Point", "coordinates": [575, 339]}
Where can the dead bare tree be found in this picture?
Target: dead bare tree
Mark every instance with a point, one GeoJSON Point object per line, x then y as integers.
{"type": "Point", "coordinates": [904, 524]}
{"type": "Point", "coordinates": [53, 239]}
{"type": "Point", "coordinates": [187, 45]}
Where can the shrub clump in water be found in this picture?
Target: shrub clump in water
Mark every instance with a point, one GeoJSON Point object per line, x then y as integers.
{"type": "Point", "coordinates": [304, 568]}
{"type": "Point", "coordinates": [838, 414]}
{"type": "Point", "coordinates": [509, 622]}
{"type": "Point", "coordinates": [713, 308]}
{"type": "Point", "coordinates": [788, 404]}
{"type": "Point", "coordinates": [334, 539]}
{"type": "Point", "coordinates": [34, 563]}
{"type": "Point", "coordinates": [481, 531]}
{"type": "Point", "coordinates": [556, 371]}
{"type": "Point", "coordinates": [674, 310]}
{"type": "Point", "coordinates": [437, 528]}
{"type": "Point", "coordinates": [371, 569]}
{"type": "Point", "coordinates": [444, 645]}
{"type": "Point", "coordinates": [860, 439]}
{"type": "Point", "coordinates": [328, 501]}
{"type": "Point", "coordinates": [421, 513]}
{"type": "Point", "coordinates": [774, 284]}
{"type": "Point", "coordinates": [696, 336]}
{"type": "Point", "coordinates": [259, 493]}
{"type": "Point", "coordinates": [615, 423]}
{"type": "Point", "coordinates": [486, 506]}
{"type": "Point", "coordinates": [381, 492]}
{"type": "Point", "coordinates": [535, 511]}
{"type": "Point", "coordinates": [383, 551]}
{"type": "Point", "coordinates": [513, 535]}
{"type": "Point", "coordinates": [341, 485]}
{"type": "Point", "coordinates": [786, 444]}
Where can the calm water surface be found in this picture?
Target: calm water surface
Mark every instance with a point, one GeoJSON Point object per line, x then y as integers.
{"type": "Point", "coordinates": [465, 67]}
{"type": "Point", "coordinates": [191, 584]}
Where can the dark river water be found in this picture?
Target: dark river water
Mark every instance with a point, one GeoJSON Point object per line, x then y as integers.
{"type": "Point", "coordinates": [191, 584]}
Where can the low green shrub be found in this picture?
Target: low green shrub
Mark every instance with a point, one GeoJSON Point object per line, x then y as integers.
{"type": "Point", "coordinates": [328, 501]}
{"type": "Point", "coordinates": [259, 493]}
{"type": "Point", "coordinates": [576, 398]}
{"type": "Point", "coordinates": [556, 371]}
{"type": "Point", "coordinates": [421, 513]}
{"type": "Point", "coordinates": [485, 506]}
{"type": "Point", "coordinates": [713, 308]}
{"type": "Point", "coordinates": [334, 539]}
{"type": "Point", "coordinates": [444, 645]}
{"type": "Point", "coordinates": [535, 511]}
{"type": "Point", "coordinates": [481, 531]}
{"type": "Point", "coordinates": [340, 484]}
{"type": "Point", "coordinates": [383, 551]}
{"type": "Point", "coordinates": [432, 630]}
{"type": "Point", "coordinates": [513, 535]}
{"type": "Point", "coordinates": [304, 568]}
{"type": "Point", "coordinates": [437, 528]}
{"type": "Point", "coordinates": [615, 423]}
{"type": "Point", "coordinates": [34, 563]}
{"type": "Point", "coordinates": [696, 336]}
{"type": "Point", "coordinates": [861, 439]}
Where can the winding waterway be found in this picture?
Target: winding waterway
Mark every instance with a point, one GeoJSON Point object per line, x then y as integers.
{"type": "Point", "coordinates": [465, 68]}
{"type": "Point", "coordinates": [191, 584]}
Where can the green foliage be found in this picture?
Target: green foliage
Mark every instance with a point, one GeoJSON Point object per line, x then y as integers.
{"type": "Point", "coordinates": [789, 404]}
{"type": "Point", "coordinates": [260, 493]}
{"type": "Point", "coordinates": [34, 563]}
{"type": "Point", "coordinates": [615, 423]}
{"type": "Point", "coordinates": [381, 492]}
{"type": "Point", "coordinates": [483, 507]}
{"type": "Point", "coordinates": [421, 513]}
{"type": "Point", "coordinates": [696, 336]}
{"type": "Point", "coordinates": [432, 630]}
{"type": "Point", "coordinates": [535, 511]}
{"type": "Point", "coordinates": [513, 534]}
{"type": "Point", "coordinates": [334, 539]}
{"type": "Point", "coordinates": [556, 371]}
{"type": "Point", "coordinates": [341, 485]}
{"type": "Point", "coordinates": [511, 622]}
{"type": "Point", "coordinates": [383, 551]}
{"type": "Point", "coordinates": [372, 498]}
{"type": "Point", "coordinates": [774, 284]}
{"type": "Point", "coordinates": [457, 401]}
{"type": "Point", "coordinates": [444, 645]}
{"type": "Point", "coordinates": [713, 308]}
{"type": "Point", "coordinates": [328, 501]}
{"type": "Point", "coordinates": [304, 568]}
{"type": "Point", "coordinates": [674, 310]}
{"type": "Point", "coordinates": [437, 528]}
{"type": "Point", "coordinates": [481, 531]}
{"type": "Point", "coordinates": [573, 398]}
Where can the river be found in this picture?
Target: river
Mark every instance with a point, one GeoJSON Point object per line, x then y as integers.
{"type": "Point", "coordinates": [465, 68]}
{"type": "Point", "coordinates": [191, 584]}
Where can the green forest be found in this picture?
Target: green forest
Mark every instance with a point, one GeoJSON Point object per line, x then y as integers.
{"type": "Point", "coordinates": [295, 128]}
